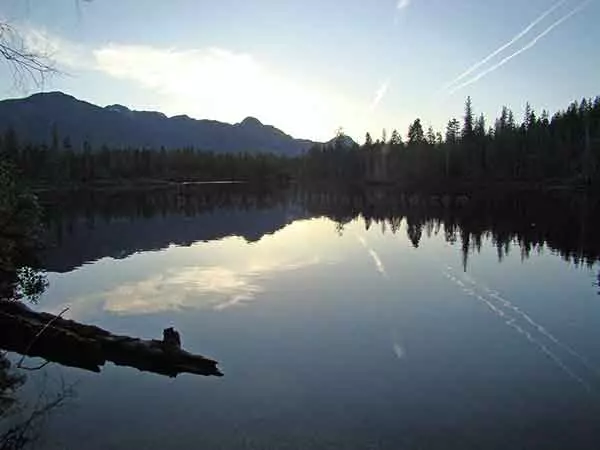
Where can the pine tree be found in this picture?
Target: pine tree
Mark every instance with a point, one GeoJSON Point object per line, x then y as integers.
{"type": "Point", "coordinates": [395, 138]}
{"type": "Point", "coordinates": [415, 133]}
{"type": "Point", "coordinates": [452, 131]}
{"type": "Point", "coordinates": [467, 132]}
{"type": "Point", "coordinates": [430, 136]}
{"type": "Point", "coordinates": [479, 130]}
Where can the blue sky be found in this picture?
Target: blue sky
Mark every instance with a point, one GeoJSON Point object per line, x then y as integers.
{"type": "Point", "coordinates": [311, 66]}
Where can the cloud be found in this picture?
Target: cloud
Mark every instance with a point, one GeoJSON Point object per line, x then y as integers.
{"type": "Point", "coordinates": [379, 95]}
{"type": "Point", "coordinates": [206, 82]}
{"type": "Point", "coordinates": [219, 84]}
{"type": "Point", "coordinates": [530, 45]}
{"type": "Point", "coordinates": [174, 71]}
{"type": "Point", "coordinates": [503, 47]}
{"type": "Point", "coordinates": [402, 4]}
{"type": "Point", "coordinates": [66, 54]}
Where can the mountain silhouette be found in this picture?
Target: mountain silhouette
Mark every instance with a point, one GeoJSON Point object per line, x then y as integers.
{"type": "Point", "coordinates": [41, 117]}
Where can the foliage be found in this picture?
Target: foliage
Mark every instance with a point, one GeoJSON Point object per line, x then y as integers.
{"type": "Point", "coordinates": [19, 232]}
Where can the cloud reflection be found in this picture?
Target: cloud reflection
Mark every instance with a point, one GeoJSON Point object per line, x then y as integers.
{"type": "Point", "coordinates": [214, 287]}
{"type": "Point", "coordinates": [214, 275]}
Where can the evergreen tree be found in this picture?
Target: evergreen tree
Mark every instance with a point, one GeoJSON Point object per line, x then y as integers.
{"type": "Point", "coordinates": [467, 132]}
{"type": "Point", "coordinates": [430, 136]}
{"type": "Point", "coordinates": [415, 133]}
{"type": "Point", "coordinates": [479, 130]}
{"type": "Point", "coordinates": [395, 139]}
{"type": "Point", "coordinates": [452, 131]}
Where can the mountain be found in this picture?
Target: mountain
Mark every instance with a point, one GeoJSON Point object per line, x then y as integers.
{"type": "Point", "coordinates": [36, 117]}
{"type": "Point", "coordinates": [342, 140]}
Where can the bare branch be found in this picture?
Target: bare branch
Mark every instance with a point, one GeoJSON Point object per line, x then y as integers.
{"type": "Point", "coordinates": [20, 364]}
{"type": "Point", "coordinates": [27, 64]}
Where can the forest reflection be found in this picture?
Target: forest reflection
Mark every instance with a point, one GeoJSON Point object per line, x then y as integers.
{"type": "Point", "coordinates": [527, 220]}
{"type": "Point", "coordinates": [98, 224]}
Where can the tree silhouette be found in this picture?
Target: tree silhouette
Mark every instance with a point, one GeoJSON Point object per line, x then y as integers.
{"type": "Point", "coordinates": [415, 133]}
{"type": "Point", "coordinates": [467, 131]}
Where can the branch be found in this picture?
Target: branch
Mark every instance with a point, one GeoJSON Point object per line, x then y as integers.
{"type": "Point", "coordinates": [24, 61]}
{"type": "Point", "coordinates": [19, 365]}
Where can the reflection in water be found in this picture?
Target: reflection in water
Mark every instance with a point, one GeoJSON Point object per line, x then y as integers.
{"type": "Point", "coordinates": [355, 339]}
{"type": "Point", "coordinates": [119, 224]}
{"type": "Point", "coordinates": [74, 344]}
{"type": "Point", "coordinates": [88, 226]}
{"type": "Point", "coordinates": [21, 423]}
{"type": "Point", "coordinates": [207, 275]}
{"type": "Point", "coordinates": [535, 332]}
{"type": "Point", "coordinates": [179, 289]}
{"type": "Point", "coordinates": [376, 259]}
{"type": "Point", "coordinates": [399, 350]}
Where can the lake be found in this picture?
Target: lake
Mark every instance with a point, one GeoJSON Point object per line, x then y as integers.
{"type": "Point", "coordinates": [340, 319]}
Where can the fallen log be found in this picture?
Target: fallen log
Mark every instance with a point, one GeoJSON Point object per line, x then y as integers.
{"type": "Point", "coordinates": [88, 347]}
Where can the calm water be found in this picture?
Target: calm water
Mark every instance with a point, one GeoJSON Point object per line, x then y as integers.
{"type": "Point", "coordinates": [340, 321]}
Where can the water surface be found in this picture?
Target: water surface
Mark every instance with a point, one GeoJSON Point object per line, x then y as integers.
{"type": "Point", "coordinates": [340, 321]}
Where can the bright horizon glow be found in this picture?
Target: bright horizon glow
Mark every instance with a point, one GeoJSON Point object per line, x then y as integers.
{"type": "Point", "coordinates": [204, 83]}
{"type": "Point", "coordinates": [312, 69]}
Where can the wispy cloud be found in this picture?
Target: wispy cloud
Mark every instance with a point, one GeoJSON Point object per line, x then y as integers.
{"type": "Point", "coordinates": [379, 95]}
{"type": "Point", "coordinates": [402, 4]}
{"type": "Point", "coordinates": [530, 45]}
{"type": "Point", "coordinates": [512, 41]}
{"type": "Point", "coordinates": [68, 55]}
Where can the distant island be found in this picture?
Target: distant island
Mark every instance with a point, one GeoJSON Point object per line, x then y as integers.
{"type": "Point", "coordinates": [56, 140]}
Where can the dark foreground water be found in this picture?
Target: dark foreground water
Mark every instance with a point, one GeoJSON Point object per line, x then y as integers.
{"type": "Point", "coordinates": [340, 321]}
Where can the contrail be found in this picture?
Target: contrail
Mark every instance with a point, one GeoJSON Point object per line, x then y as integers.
{"type": "Point", "coordinates": [525, 30]}
{"type": "Point", "coordinates": [540, 328]}
{"type": "Point", "coordinates": [402, 4]}
{"type": "Point", "coordinates": [510, 322]}
{"type": "Point", "coordinates": [399, 350]}
{"type": "Point", "coordinates": [543, 331]}
{"type": "Point", "coordinates": [381, 91]}
{"type": "Point", "coordinates": [378, 263]}
{"type": "Point", "coordinates": [518, 52]}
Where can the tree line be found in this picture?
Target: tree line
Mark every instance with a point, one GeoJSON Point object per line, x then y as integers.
{"type": "Point", "coordinates": [539, 148]}
{"type": "Point", "coordinates": [563, 147]}
{"type": "Point", "coordinates": [61, 163]}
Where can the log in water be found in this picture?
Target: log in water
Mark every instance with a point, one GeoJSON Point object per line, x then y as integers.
{"type": "Point", "coordinates": [73, 344]}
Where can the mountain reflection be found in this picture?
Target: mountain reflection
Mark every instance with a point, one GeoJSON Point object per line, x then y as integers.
{"type": "Point", "coordinates": [89, 226]}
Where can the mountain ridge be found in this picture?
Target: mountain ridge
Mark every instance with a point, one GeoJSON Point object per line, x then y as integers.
{"type": "Point", "coordinates": [38, 117]}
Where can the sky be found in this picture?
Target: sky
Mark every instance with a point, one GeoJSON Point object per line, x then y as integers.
{"type": "Point", "coordinates": [310, 67]}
